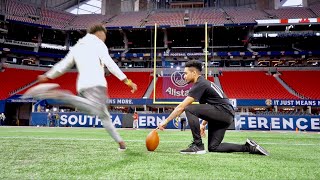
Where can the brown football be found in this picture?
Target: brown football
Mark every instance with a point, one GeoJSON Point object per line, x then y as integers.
{"type": "Point", "coordinates": [152, 140]}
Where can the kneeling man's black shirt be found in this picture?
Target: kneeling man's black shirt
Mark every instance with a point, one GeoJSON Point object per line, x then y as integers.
{"type": "Point", "coordinates": [206, 92]}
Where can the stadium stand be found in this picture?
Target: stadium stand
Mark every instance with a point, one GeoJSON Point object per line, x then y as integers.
{"type": "Point", "coordinates": [117, 89]}
{"type": "Point", "coordinates": [211, 16]}
{"type": "Point", "coordinates": [134, 19]}
{"type": "Point", "coordinates": [12, 79]}
{"type": "Point", "coordinates": [315, 9]}
{"type": "Point", "coordinates": [55, 19]}
{"type": "Point", "coordinates": [303, 82]}
{"type": "Point", "coordinates": [172, 18]}
{"type": "Point", "coordinates": [67, 82]}
{"type": "Point", "coordinates": [296, 12]}
{"type": "Point", "coordinates": [245, 15]}
{"type": "Point", "coordinates": [83, 21]}
{"type": "Point", "coordinates": [20, 9]}
{"type": "Point", "coordinates": [252, 85]}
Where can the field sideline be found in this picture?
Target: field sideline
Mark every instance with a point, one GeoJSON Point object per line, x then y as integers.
{"type": "Point", "coordinates": [89, 153]}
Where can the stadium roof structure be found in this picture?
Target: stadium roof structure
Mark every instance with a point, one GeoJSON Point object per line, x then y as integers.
{"type": "Point", "coordinates": [86, 7]}
{"type": "Point", "coordinates": [291, 3]}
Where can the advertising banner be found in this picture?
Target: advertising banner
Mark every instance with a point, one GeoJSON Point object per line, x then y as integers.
{"type": "Point", "coordinates": [302, 123]}
{"type": "Point", "coordinates": [75, 119]}
{"type": "Point", "coordinates": [174, 85]}
{"type": "Point", "coordinates": [242, 122]}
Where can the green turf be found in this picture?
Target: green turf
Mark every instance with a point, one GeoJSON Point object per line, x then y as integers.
{"type": "Point", "coordinates": [89, 153]}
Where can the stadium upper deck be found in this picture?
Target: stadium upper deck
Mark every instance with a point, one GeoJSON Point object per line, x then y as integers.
{"type": "Point", "coordinates": [18, 11]}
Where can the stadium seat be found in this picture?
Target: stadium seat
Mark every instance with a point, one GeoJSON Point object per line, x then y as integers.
{"type": "Point", "coordinates": [116, 89]}
{"type": "Point", "coordinates": [287, 13]}
{"type": "Point", "coordinates": [134, 19]}
{"type": "Point", "coordinates": [253, 85]}
{"type": "Point", "coordinates": [303, 82]}
{"type": "Point", "coordinates": [85, 20]}
{"type": "Point", "coordinates": [12, 79]}
{"type": "Point", "coordinates": [172, 18]}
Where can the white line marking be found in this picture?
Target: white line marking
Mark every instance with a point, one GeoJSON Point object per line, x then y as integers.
{"type": "Point", "coordinates": [134, 140]}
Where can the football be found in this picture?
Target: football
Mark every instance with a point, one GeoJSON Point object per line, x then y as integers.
{"type": "Point", "coordinates": [152, 140]}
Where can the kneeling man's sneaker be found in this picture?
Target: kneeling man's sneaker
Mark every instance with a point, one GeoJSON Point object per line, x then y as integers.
{"type": "Point", "coordinates": [194, 149]}
{"type": "Point", "coordinates": [251, 142]}
{"type": "Point", "coordinates": [255, 148]}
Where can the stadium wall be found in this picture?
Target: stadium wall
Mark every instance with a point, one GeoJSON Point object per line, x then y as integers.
{"type": "Point", "coordinates": [242, 122]}
{"type": "Point", "coordinates": [2, 105]}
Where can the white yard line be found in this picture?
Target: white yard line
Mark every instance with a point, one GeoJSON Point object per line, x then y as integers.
{"type": "Point", "coordinates": [135, 140]}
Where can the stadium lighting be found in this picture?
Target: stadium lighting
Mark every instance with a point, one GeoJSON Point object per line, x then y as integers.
{"type": "Point", "coordinates": [272, 35]}
{"type": "Point", "coordinates": [178, 68]}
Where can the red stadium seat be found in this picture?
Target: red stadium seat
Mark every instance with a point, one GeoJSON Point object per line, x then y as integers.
{"type": "Point", "coordinates": [253, 85]}
{"type": "Point", "coordinates": [12, 79]}
{"type": "Point", "coordinates": [287, 13]}
{"type": "Point", "coordinates": [303, 82]}
{"type": "Point", "coordinates": [116, 89]}
{"type": "Point", "coordinates": [134, 19]}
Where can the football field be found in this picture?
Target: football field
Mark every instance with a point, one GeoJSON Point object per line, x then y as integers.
{"type": "Point", "coordinates": [90, 153]}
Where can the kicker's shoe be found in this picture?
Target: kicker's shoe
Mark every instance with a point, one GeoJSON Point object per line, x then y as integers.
{"type": "Point", "coordinates": [194, 149]}
{"type": "Point", "coordinates": [122, 146]}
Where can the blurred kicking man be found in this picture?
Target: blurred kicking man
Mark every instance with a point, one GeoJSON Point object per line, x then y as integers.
{"type": "Point", "coordinates": [215, 108]}
{"type": "Point", "coordinates": [90, 55]}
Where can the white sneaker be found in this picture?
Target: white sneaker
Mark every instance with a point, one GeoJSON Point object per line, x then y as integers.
{"type": "Point", "coordinates": [39, 89]}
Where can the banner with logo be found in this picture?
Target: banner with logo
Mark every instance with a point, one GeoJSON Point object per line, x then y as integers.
{"type": "Point", "coordinates": [74, 119]}
{"type": "Point", "coordinates": [299, 102]}
{"type": "Point", "coordinates": [174, 85]}
{"type": "Point", "coordinates": [242, 122]}
{"type": "Point", "coordinates": [303, 123]}
{"type": "Point", "coordinates": [152, 121]}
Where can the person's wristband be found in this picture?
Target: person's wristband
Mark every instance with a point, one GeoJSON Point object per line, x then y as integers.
{"type": "Point", "coordinates": [128, 82]}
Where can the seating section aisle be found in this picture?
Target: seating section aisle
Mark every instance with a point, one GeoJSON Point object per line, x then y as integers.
{"type": "Point", "coordinates": [305, 83]}
{"type": "Point", "coordinates": [12, 79]}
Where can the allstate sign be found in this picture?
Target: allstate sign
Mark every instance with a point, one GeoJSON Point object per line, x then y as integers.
{"type": "Point", "coordinates": [175, 86]}
{"type": "Point", "coordinates": [308, 123]}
